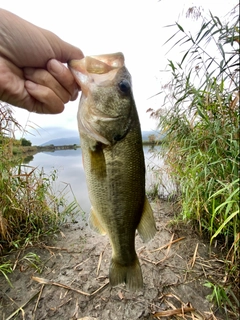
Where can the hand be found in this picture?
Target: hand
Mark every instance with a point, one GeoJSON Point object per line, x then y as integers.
{"type": "Point", "coordinates": [32, 75]}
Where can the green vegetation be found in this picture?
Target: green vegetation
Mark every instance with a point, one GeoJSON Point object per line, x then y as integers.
{"type": "Point", "coordinates": [33, 260]}
{"type": "Point", "coordinates": [221, 296]}
{"type": "Point", "coordinates": [25, 142]}
{"type": "Point", "coordinates": [29, 207]}
{"type": "Point", "coordinates": [6, 268]}
{"type": "Point", "coordinates": [200, 124]}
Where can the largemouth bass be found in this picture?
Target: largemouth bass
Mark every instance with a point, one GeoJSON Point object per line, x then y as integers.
{"type": "Point", "coordinates": [113, 161]}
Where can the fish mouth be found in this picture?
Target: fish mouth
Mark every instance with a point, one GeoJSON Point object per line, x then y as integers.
{"type": "Point", "coordinates": [92, 68]}
{"type": "Point", "coordinates": [98, 64]}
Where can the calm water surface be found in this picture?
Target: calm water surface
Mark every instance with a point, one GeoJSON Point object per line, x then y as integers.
{"type": "Point", "coordinates": [68, 164]}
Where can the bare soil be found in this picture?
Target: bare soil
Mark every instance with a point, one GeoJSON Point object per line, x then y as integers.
{"type": "Point", "coordinates": [73, 282]}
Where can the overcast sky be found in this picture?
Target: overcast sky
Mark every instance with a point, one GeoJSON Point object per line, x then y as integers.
{"type": "Point", "coordinates": [134, 27]}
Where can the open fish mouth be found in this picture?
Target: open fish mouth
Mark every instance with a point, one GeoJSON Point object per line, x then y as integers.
{"type": "Point", "coordinates": [98, 64]}
{"type": "Point", "coordinates": [96, 69]}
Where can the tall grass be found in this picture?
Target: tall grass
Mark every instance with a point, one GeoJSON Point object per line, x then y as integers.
{"type": "Point", "coordinates": [29, 206]}
{"type": "Point", "coordinates": [200, 120]}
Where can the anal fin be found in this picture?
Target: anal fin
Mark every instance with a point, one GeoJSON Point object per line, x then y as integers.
{"type": "Point", "coordinates": [95, 223]}
{"type": "Point", "coordinates": [147, 226]}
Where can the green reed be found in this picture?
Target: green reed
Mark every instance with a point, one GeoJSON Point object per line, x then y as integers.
{"type": "Point", "coordinates": [30, 206]}
{"type": "Point", "coordinates": [200, 123]}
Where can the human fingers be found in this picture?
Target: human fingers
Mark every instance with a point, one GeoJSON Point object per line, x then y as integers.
{"type": "Point", "coordinates": [44, 100]}
{"type": "Point", "coordinates": [12, 88]}
{"type": "Point", "coordinates": [15, 90]}
{"type": "Point", "coordinates": [64, 76]}
{"type": "Point", "coordinates": [44, 78]}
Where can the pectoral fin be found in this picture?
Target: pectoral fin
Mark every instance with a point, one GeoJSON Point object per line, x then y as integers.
{"type": "Point", "coordinates": [98, 163]}
{"type": "Point", "coordinates": [147, 226]}
{"type": "Point", "coordinates": [95, 223]}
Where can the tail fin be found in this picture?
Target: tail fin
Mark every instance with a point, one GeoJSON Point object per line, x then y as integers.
{"type": "Point", "coordinates": [131, 275]}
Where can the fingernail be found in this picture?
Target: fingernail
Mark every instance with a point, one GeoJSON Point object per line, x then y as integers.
{"type": "Point", "coordinates": [75, 94]}
{"type": "Point", "coordinates": [30, 85]}
{"type": "Point", "coordinates": [55, 66]}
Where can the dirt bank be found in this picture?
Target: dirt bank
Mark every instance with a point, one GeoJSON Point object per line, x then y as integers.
{"type": "Point", "coordinates": [73, 283]}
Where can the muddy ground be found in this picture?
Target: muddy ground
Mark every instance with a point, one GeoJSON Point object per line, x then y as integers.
{"type": "Point", "coordinates": [73, 278]}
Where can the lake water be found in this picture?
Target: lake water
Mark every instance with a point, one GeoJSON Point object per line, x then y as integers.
{"type": "Point", "coordinates": [68, 164]}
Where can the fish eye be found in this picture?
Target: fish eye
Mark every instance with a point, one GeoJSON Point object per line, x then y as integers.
{"type": "Point", "coordinates": [124, 86]}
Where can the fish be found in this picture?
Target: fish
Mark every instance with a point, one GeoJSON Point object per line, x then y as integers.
{"type": "Point", "coordinates": [113, 162]}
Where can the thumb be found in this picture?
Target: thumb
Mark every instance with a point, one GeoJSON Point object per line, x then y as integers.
{"type": "Point", "coordinates": [62, 51]}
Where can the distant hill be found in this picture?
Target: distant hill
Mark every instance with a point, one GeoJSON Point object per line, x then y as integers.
{"type": "Point", "coordinates": [76, 139]}
{"type": "Point", "coordinates": [63, 141]}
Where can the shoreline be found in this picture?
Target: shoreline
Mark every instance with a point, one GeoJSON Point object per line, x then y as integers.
{"type": "Point", "coordinates": [32, 150]}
